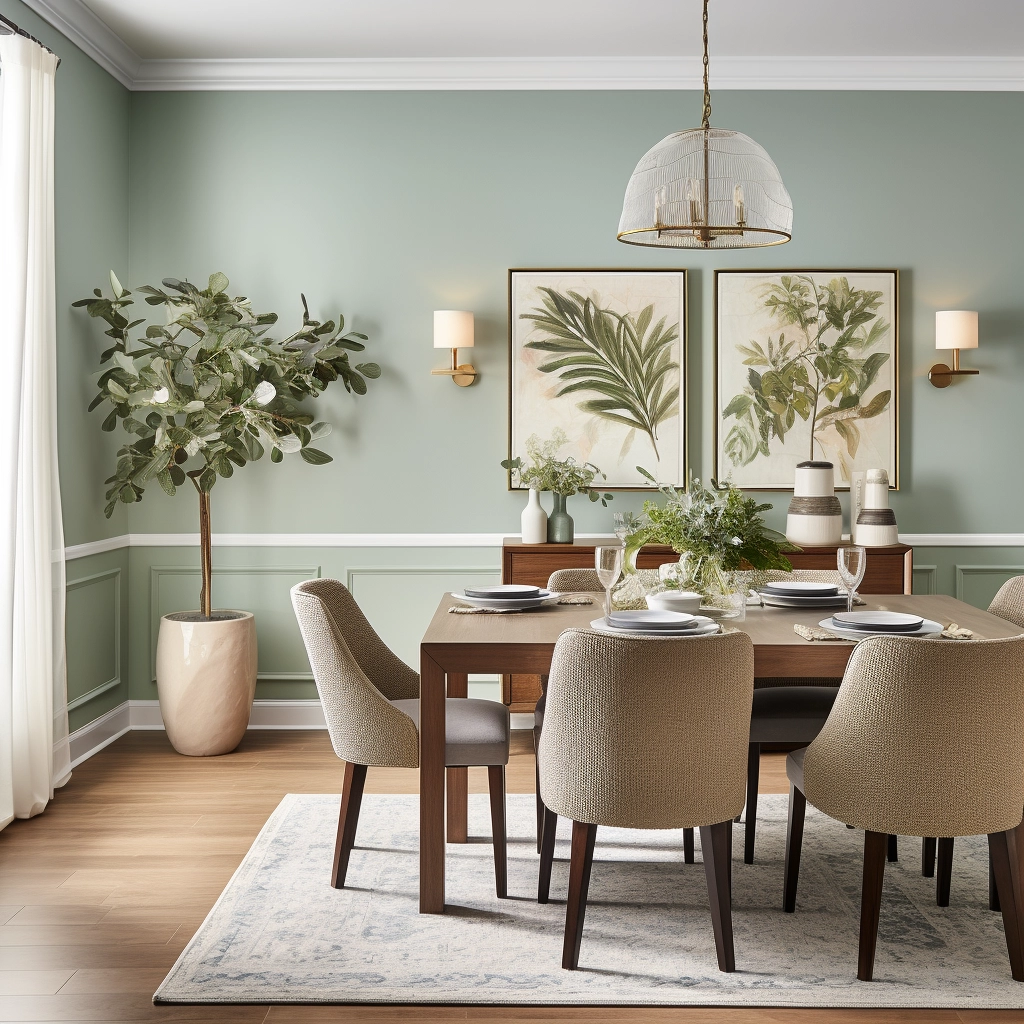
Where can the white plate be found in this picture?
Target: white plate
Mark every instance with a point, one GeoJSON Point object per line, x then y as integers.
{"type": "Point", "coordinates": [652, 619]}
{"type": "Point", "coordinates": [499, 602]}
{"type": "Point", "coordinates": [705, 629]}
{"type": "Point", "coordinates": [928, 628]}
{"type": "Point", "coordinates": [505, 592]}
{"type": "Point", "coordinates": [781, 601]}
{"type": "Point", "coordinates": [879, 621]}
{"type": "Point", "coordinates": [801, 588]}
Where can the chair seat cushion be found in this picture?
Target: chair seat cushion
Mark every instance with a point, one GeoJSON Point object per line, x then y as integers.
{"type": "Point", "coordinates": [476, 731]}
{"type": "Point", "coordinates": [790, 714]}
{"type": "Point", "coordinates": [795, 768]}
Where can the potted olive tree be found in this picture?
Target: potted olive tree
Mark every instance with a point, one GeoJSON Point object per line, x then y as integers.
{"type": "Point", "coordinates": [200, 395]}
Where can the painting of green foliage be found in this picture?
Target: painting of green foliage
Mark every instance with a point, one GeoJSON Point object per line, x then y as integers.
{"type": "Point", "coordinates": [596, 356]}
{"type": "Point", "coordinates": [807, 370]}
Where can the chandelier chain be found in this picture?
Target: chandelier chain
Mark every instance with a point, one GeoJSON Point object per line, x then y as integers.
{"type": "Point", "coordinates": [706, 122]}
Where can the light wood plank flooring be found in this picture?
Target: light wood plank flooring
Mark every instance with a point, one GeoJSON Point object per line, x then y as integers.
{"type": "Point", "coordinates": [100, 894]}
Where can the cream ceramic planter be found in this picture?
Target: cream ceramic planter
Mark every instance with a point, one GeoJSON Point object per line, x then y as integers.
{"type": "Point", "coordinates": [206, 679]}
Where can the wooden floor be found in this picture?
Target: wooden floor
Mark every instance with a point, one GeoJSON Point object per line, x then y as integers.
{"type": "Point", "coordinates": [99, 895]}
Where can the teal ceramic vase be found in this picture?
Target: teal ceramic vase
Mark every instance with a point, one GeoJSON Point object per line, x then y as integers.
{"type": "Point", "coordinates": [560, 524]}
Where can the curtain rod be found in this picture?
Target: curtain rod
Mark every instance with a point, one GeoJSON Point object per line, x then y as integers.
{"type": "Point", "coordinates": [21, 32]}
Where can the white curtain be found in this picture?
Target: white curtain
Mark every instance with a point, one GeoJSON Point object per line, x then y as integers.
{"type": "Point", "coordinates": [34, 752]}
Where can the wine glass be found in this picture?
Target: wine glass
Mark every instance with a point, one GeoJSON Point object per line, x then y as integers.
{"type": "Point", "coordinates": [621, 529]}
{"type": "Point", "coordinates": [851, 562]}
{"type": "Point", "coordinates": [608, 562]}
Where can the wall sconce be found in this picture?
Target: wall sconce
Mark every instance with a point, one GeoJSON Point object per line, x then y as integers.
{"type": "Point", "coordinates": [955, 329]}
{"type": "Point", "coordinates": [453, 328]}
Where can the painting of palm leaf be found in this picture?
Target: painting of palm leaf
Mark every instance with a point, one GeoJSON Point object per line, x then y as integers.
{"type": "Point", "coordinates": [598, 353]}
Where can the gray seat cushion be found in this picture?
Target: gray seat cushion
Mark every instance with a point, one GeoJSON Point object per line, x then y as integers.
{"type": "Point", "coordinates": [790, 714]}
{"type": "Point", "coordinates": [476, 731]}
{"type": "Point", "coordinates": [795, 768]}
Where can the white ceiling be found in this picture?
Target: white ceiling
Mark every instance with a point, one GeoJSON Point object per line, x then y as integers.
{"type": "Point", "coordinates": [217, 29]}
{"type": "Point", "coordinates": [548, 44]}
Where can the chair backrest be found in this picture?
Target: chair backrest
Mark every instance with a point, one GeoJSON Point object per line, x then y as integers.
{"type": "Point", "coordinates": [564, 581]}
{"type": "Point", "coordinates": [1009, 601]}
{"type": "Point", "coordinates": [926, 738]}
{"type": "Point", "coordinates": [356, 676]}
{"type": "Point", "coordinates": [647, 733]}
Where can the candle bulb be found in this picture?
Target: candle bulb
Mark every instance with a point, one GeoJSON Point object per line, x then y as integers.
{"type": "Point", "coordinates": [738, 208]}
{"type": "Point", "coordinates": [693, 199]}
{"type": "Point", "coordinates": [659, 202]}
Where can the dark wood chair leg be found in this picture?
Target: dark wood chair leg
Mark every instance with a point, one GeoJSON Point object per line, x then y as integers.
{"type": "Point", "coordinates": [496, 788]}
{"type": "Point", "coordinates": [351, 798]}
{"type": "Point", "coordinates": [1002, 847]}
{"type": "Point", "coordinates": [944, 872]}
{"type": "Point", "coordinates": [547, 854]}
{"type": "Point", "coordinates": [688, 857]}
{"type": "Point", "coordinates": [714, 843]}
{"type": "Point", "coordinates": [753, 773]}
{"type": "Point", "coordinates": [875, 850]}
{"type": "Point", "coordinates": [893, 850]}
{"type": "Point", "coordinates": [728, 859]}
{"type": "Point", "coordinates": [928, 856]}
{"type": "Point", "coordinates": [583, 836]}
{"type": "Point", "coordinates": [993, 889]}
{"type": "Point", "coordinates": [540, 805]}
{"type": "Point", "coordinates": [794, 841]}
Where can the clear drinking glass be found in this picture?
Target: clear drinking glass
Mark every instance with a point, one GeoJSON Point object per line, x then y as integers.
{"type": "Point", "coordinates": [851, 562]}
{"type": "Point", "coordinates": [619, 519]}
{"type": "Point", "coordinates": [608, 562]}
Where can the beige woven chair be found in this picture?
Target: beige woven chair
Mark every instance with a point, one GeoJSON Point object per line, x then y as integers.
{"type": "Point", "coordinates": [371, 702]}
{"type": "Point", "coordinates": [652, 734]}
{"type": "Point", "coordinates": [1008, 604]}
{"type": "Point", "coordinates": [926, 738]}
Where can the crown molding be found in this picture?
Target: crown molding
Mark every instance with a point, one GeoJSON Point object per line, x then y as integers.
{"type": "Point", "coordinates": [955, 74]}
{"type": "Point", "coordinates": [91, 35]}
{"type": "Point", "coordinates": [967, 74]}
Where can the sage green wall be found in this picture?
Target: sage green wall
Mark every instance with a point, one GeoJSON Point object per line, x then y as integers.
{"type": "Point", "coordinates": [389, 205]}
{"type": "Point", "coordinates": [91, 217]}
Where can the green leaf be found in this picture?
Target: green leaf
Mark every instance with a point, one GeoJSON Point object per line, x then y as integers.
{"type": "Point", "coordinates": [876, 405]}
{"type": "Point", "coordinates": [314, 456]}
{"type": "Point", "coordinates": [276, 455]}
{"type": "Point", "coordinates": [218, 283]}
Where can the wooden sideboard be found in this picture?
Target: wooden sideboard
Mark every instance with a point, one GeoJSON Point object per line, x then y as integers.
{"type": "Point", "coordinates": [890, 570]}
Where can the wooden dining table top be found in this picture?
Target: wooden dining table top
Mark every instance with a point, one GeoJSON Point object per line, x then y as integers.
{"type": "Point", "coordinates": [522, 641]}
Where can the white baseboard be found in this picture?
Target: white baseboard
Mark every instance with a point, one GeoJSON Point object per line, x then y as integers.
{"type": "Point", "coordinates": [144, 716]}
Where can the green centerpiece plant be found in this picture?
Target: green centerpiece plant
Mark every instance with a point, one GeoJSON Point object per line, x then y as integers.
{"type": "Point", "coordinates": [563, 477]}
{"type": "Point", "coordinates": [716, 532]}
{"type": "Point", "coordinates": [201, 393]}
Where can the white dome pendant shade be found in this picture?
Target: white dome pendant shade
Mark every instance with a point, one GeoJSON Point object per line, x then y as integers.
{"type": "Point", "coordinates": [706, 188]}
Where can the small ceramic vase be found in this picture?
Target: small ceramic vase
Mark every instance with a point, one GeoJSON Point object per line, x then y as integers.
{"type": "Point", "coordinates": [560, 524]}
{"type": "Point", "coordinates": [534, 520]}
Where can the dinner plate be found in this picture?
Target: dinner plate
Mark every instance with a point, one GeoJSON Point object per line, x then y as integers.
{"type": "Point", "coordinates": [505, 591]}
{"type": "Point", "coordinates": [648, 619]}
{"type": "Point", "coordinates": [704, 629]}
{"type": "Point", "coordinates": [801, 588]}
{"type": "Point", "coordinates": [878, 621]}
{"type": "Point", "coordinates": [792, 601]}
{"type": "Point", "coordinates": [523, 604]}
{"type": "Point", "coordinates": [928, 628]}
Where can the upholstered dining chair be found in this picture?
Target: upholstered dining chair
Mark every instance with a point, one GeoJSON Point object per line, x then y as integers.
{"type": "Point", "coordinates": [646, 733]}
{"type": "Point", "coordinates": [370, 699]}
{"type": "Point", "coordinates": [926, 737]}
{"type": "Point", "coordinates": [1008, 604]}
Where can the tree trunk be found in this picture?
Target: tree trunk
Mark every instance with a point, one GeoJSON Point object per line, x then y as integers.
{"type": "Point", "coordinates": [205, 547]}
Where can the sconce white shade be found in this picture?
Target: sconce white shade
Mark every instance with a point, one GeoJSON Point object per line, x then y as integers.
{"type": "Point", "coordinates": [956, 328]}
{"type": "Point", "coordinates": [453, 328]}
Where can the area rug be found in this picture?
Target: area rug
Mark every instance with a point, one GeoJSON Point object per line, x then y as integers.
{"type": "Point", "coordinates": [280, 934]}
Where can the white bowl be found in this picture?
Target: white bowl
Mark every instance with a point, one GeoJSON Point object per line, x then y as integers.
{"type": "Point", "coordinates": [675, 601]}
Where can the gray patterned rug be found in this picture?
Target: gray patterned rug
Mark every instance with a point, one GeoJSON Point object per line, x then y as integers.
{"type": "Point", "coordinates": [280, 934]}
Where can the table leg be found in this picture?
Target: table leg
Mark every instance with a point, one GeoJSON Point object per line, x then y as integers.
{"type": "Point", "coordinates": [432, 715]}
{"type": "Point", "coordinates": [458, 778]}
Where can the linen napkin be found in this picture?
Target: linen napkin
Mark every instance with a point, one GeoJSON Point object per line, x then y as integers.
{"type": "Point", "coordinates": [463, 609]}
{"type": "Point", "coordinates": [954, 631]}
{"type": "Point", "coordinates": [814, 633]}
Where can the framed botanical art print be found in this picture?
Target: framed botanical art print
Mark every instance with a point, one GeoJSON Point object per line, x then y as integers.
{"type": "Point", "coordinates": [598, 357]}
{"type": "Point", "coordinates": [807, 368]}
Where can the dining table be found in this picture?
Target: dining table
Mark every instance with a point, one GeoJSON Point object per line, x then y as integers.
{"type": "Point", "coordinates": [455, 645]}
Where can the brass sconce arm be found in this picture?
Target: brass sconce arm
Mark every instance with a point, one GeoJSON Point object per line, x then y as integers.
{"type": "Point", "coordinates": [463, 375]}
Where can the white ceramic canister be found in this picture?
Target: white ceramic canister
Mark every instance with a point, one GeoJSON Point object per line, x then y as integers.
{"type": "Point", "coordinates": [814, 480]}
{"type": "Point", "coordinates": [876, 489]}
{"type": "Point", "coordinates": [534, 520]}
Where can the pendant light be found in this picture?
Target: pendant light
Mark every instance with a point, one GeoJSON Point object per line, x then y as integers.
{"type": "Point", "coordinates": [706, 188]}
